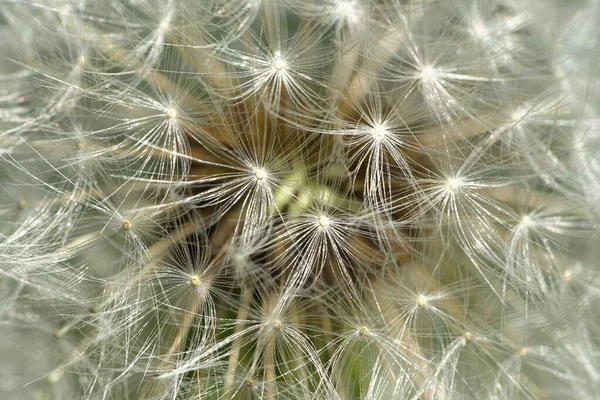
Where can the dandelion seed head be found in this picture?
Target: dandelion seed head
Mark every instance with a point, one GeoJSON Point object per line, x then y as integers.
{"type": "Point", "coordinates": [332, 199]}
{"type": "Point", "coordinates": [379, 131]}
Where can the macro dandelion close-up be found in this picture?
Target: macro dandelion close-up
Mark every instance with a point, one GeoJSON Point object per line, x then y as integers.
{"type": "Point", "coordinates": [299, 199]}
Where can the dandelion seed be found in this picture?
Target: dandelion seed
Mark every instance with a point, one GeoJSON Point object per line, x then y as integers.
{"type": "Point", "coordinates": [428, 75]}
{"type": "Point", "coordinates": [260, 174]}
{"type": "Point", "coordinates": [127, 225]}
{"type": "Point", "coordinates": [324, 221]}
{"type": "Point", "coordinates": [523, 352]}
{"type": "Point", "coordinates": [560, 74]}
{"type": "Point", "coordinates": [520, 113]}
{"type": "Point", "coordinates": [279, 63]}
{"type": "Point", "coordinates": [164, 26]}
{"type": "Point", "coordinates": [54, 377]}
{"type": "Point", "coordinates": [346, 11]}
{"type": "Point", "coordinates": [479, 30]}
{"type": "Point", "coordinates": [453, 184]}
{"type": "Point", "coordinates": [171, 113]}
{"type": "Point", "coordinates": [579, 146]}
{"type": "Point", "coordinates": [568, 275]}
{"type": "Point", "coordinates": [379, 131]}
{"type": "Point", "coordinates": [81, 60]}
{"type": "Point", "coordinates": [195, 281]}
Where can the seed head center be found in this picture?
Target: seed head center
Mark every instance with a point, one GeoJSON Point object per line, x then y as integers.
{"type": "Point", "coordinates": [346, 11]}
{"type": "Point", "coordinates": [164, 26]}
{"type": "Point", "coordinates": [428, 74]}
{"type": "Point", "coordinates": [171, 113]}
{"type": "Point", "coordinates": [324, 221]}
{"type": "Point", "coordinates": [279, 62]}
{"type": "Point", "coordinates": [523, 352]}
{"type": "Point", "coordinates": [195, 281]}
{"type": "Point", "coordinates": [568, 275]}
{"type": "Point", "coordinates": [453, 184]}
{"type": "Point", "coordinates": [379, 131]}
{"type": "Point", "coordinates": [260, 174]}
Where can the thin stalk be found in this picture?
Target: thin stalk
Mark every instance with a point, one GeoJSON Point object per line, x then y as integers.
{"type": "Point", "coordinates": [242, 314]}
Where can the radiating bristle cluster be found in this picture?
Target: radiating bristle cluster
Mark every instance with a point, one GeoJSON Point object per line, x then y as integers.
{"type": "Point", "coordinates": [299, 199]}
